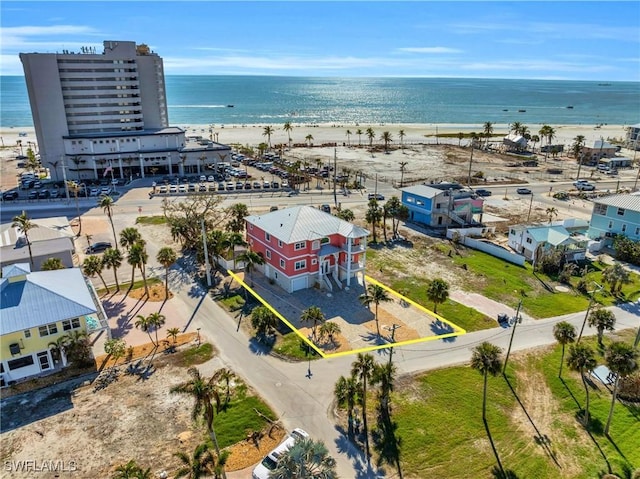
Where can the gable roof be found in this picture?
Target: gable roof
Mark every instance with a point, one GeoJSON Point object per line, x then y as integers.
{"type": "Point", "coordinates": [554, 235]}
{"type": "Point", "coordinates": [302, 223]}
{"type": "Point", "coordinates": [43, 297]}
{"type": "Point", "coordinates": [422, 190]}
{"type": "Point", "coordinates": [628, 202]}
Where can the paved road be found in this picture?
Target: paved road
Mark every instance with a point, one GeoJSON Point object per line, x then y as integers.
{"type": "Point", "coordinates": [305, 401]}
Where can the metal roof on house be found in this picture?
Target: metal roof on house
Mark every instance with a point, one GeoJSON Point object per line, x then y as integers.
{"type": "Point", "coordinates": [628, 202]}
{"type": "Point", "coordinates": [554, 235]}
{"type": "Point", "coordinates": [35, 299]}
{"type": "Point", "coordinates": [602, 144]}
{"type": "Point", "coordinates": [47, 228]}
{"type": "Point", "coordinates": [302, 223]}
{"type": "Point", "coordinates": [422, 190]}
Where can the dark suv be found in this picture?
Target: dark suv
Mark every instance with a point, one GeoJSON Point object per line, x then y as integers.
{"type": "Point", "coordinates": [98, 247]}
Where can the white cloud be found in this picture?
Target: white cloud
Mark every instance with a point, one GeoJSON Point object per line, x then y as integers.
{"type": "Point", "coordinates": [436, 50]}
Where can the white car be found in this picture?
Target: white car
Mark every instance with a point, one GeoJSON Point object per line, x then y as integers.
{"type": "Point", "coordinates": [269, 463]}
{"type": "Point", "coordinates": [94, 192]}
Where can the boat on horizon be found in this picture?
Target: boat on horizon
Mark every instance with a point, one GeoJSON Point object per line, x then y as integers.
{"type": "Point", "coordinates": [604, 84]}
{"type": "Point", "coordinates": [229, 106]}
{"type": "Point", "coordinates": [521, 111]}
{"type": "Point", "coordinates": [570, 107]}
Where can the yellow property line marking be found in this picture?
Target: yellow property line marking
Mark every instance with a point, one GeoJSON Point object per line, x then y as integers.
{"type": "Point", "coordinates": [457, 329]}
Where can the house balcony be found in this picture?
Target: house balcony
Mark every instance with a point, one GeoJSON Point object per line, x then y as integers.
{"type": "Point", "coordinates": [355, 266]}
{"type": "Point", "coordinates": [356, 248]}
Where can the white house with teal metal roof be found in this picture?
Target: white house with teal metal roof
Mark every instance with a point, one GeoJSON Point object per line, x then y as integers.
{"type": "Point", "coordinates": [615, 215]}
{"type": "Point", "coordinates": [534, 241]}
{"type": "Point", "coordinates": [36, 309]}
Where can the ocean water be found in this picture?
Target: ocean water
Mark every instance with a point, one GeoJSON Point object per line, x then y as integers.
{"type": "Point", "coordinates": [275, 100]}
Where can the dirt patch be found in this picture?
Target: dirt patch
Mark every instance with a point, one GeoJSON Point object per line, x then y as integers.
{"type": "Point", "coordinates": [542, 407]}
{"type": "Point", "coordinates": [157, 292]}
{"type": "Point", "coordinates": [245, 453]}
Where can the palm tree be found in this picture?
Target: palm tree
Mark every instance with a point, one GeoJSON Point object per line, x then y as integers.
{"type": "Point", "coordinates": [359, 132]}
{"type": "Point", "coordinates": [582, 358]}
{"type": "Point", "coordinates": [348, 392]}
{"type": "Point", "coordinates": [263, 321]}
{"type": "Point", "coordinates": [487, 131]}
{"type": "Point", "coordinates": [231, 241]}
{"type": "Point", "coordinates": [238, 213]}
{"type": "Point", "coordinates": [386, 138]}
{"type": "Point", "coordinates": [362, 369]}
{"type": "Point", "coordinates": [24, 225]}
{"type": "Point", "coordinates": [486, 360]}
{"type": "Point", "coordinates": [616, 276]}
{"type": "Point", "coordinates": [131, 470]}
{"type": "Point", "coordinates": [401, 134]}
{"type": "Point", "coordinates": [106, 203]}
{"type": "Point", "coordinates": [403, 167]}
{"type": "Point", "coordinates": [602, 319]}
{"type": "Point", "coordinates": [201, 464]}
{"type": "Point", "coordinates": [371, 135]}
{"type": "Point", "coordinates": [157, 320]}
{"type": "Point", "coordinates": [144, 323]}
{"type": "Point", "coordinates": [515, 126]}
{"type": "Point", "coordinates": [268, 131]}
{"type": "Point", "coordinates": [551, 213]}
{"type": "Point", "coordinates": [384, 375]}
{"type": "Point", "coordinates": [173, 334]}
{"type": "Point", "coordinates": [129, 236]}
{"type": "Point", "coordinates": [313, 315]}
{"type": "Point", "coordinates": [375, 294]}
{"type": "Point", "coordinates": [309, 139]}
{"type": "Point", "coordinates": [92, 266]}
{"type": "Point", "coordinates": [437, 292]}
{"type": "Point", "coordinates": [251, 260]}
{"type": "Point", "coordinates": [288, 128]}
{"type": "Point", "coordinates": [373, 216]}
{"type": "Point", "coordinates": [112, 259]}
{"type": "Point", "coordinates": [564, 333]}
{"type": "Point", "coordinates": [59, 347]}
{"type": "Point", "coordinates": [51, 264]}
{"type": "Point", "coordinates": [203, 392]}
{"type": "Point", "coordinates": [307, 459]}
{"type": "Point", "coordinates": [348, 137]}
{"type": "Point", "coordinates": [329, 329]}
{"type": "Point", "coordinates": [622, 360]}
{"type": "Point", "coordinates": [535, 139]}
{"type": "Point", "coordinates": [166, 257]}
{"type": "Point", "coordinates": [137, 258]}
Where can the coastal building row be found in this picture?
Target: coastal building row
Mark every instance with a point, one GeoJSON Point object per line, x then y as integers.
{"type": "Point", "coordinates": [106, 113]}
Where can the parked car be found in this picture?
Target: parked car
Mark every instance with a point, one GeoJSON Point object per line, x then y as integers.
{"type": "Point", "coordinates": [105, 190]}
{"type": "Point", "coordinates": [44, 194]}
{"type": "Point", "coordinates": [376, 196]}
{"type": "Point", "coordinates": [326, 208]}
{"type": "Point", "coordinates": [584, 186]}
{"type": "Point", "coordinates": [33, 194]}
{"type": "Point", "coordinates": [270, 462]}
{"type": "Point", "coordinates": [94, 192]}
{"type": "Point", "coordinates": [483, 192]}
{"type": "Point", "coordinates": [98, 247]}
{"type": "Point", "coordinates": [10, 195]}
{"type": "Point", "coordinates": [523, 191]}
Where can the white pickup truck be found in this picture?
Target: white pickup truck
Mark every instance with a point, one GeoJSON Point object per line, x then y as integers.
{"type": "Point", "coordinates": [584, 185]}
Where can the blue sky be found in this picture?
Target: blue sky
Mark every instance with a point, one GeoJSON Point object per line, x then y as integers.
{"type": "Point", "coordinates": [544, 40]}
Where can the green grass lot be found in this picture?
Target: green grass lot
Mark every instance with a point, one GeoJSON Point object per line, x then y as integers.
{"type": "Point", "coordinates": [125, 286]}
{"type": "Point", "coordinates": [439, 418]}
{"type": "Point", "coordinates": [196, 355]}
{"type": "Point", "coordinates": [508, 283]}
{"type": "Point", "coordinates": [233, 424]}
{"type": "Point", "coordinates": [291, 346]}
{"type": "Point", "coordinates": [151, 220]}
{"type": "Point", "coordinates": [233, 303]}
{"type": "Point", "coordinates": [467, 318]}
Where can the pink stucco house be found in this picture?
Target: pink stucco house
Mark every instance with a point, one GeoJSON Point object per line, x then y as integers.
{"type": "Point", "coordinates": [303, 246]}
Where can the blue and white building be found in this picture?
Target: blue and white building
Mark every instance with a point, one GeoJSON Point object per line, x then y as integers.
{"type": "Point", "coordinates": [615, 215]}
{"type": "Point", "coordinates": [441, 208]}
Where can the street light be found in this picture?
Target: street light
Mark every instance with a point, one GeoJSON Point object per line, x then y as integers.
{"type": "Point", "coordinates": [393, 334]}
{"type": "Point", "coordinates": [516, 320]}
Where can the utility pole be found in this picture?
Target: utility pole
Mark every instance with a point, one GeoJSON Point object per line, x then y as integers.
{"type": "Point", "coordinates": [470, 162]}
{"type": "Point", "coordinates": [206, 254]}
{"type": "Point", "coordinates": [516, 320]}
{"type": "Point", "coordinates": [335, 172]}
{"type": "Point", "coordinates": [586, 316]}
{"type": "Point", "coordinates": [64, 177]}
{"type": "Point", "coordinates": [530, 205]}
